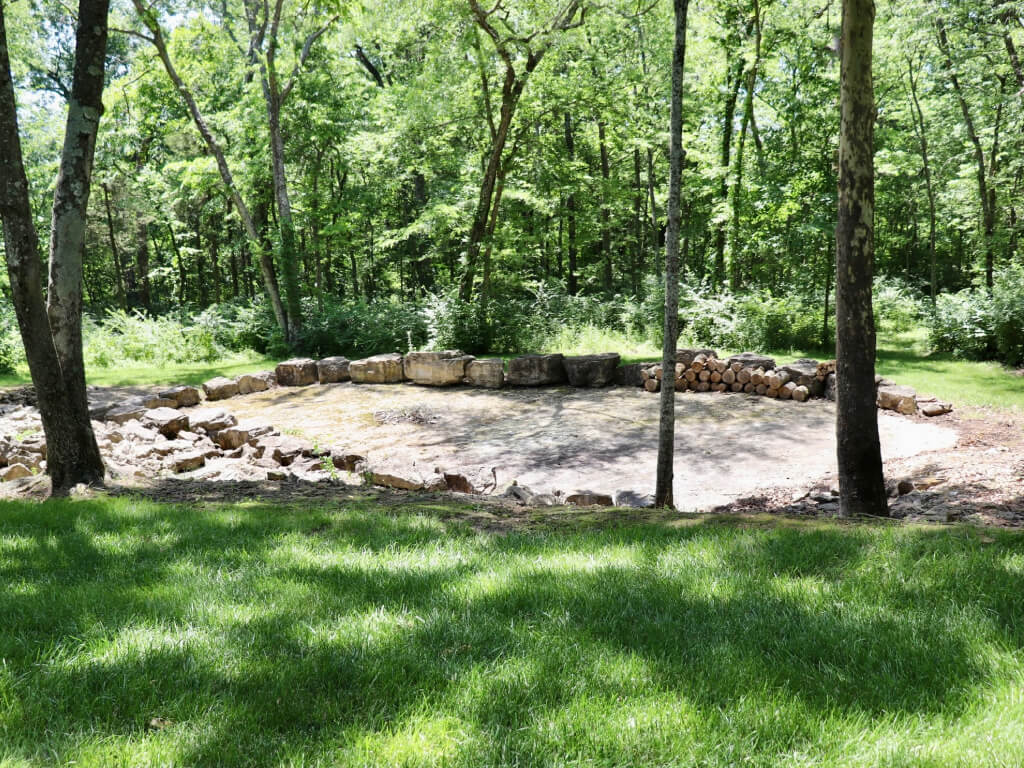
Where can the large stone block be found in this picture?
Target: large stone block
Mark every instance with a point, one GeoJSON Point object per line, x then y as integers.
{"type": "Point", "coordinates": [298, 372]}
{"type": "Point", "coordinates": [438, 369]}
{"type": "Point", "coordinates": [331, 370]}
{"type": "Point", "coordinates": [183, 396]}
{"type": "Point", "coordinates": [256, 382]}
{"type": "Point", "coordinates": [536, 370]}
{"type": "Point", "coordinates": [893, 397]}
{"type": "Point", "coordinates": [220, 388]}
{"type": "Point", "coordinates": [489, 373]}
{"type": "Point", "coordinates": [630, 375]}
{"type": "Point", "coordinates": [379, 369]}
{"type": "Point", "coordinates": [591, 370]}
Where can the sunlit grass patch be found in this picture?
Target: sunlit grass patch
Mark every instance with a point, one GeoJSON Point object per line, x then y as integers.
{"type": "Point", "coordinates": [348, 634]}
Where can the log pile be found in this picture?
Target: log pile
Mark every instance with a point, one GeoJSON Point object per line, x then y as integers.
{"type": "Point", "coordinates": [706, 373]}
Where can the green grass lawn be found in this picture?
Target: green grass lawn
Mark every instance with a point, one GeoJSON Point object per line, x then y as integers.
{"type": "Point", "coordinates": [140, 375]}
{"type": "Point", "coordinates": [134, 634]}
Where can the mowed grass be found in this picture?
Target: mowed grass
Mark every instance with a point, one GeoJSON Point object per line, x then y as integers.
{"type": "Point", "coordinates": [155, 375]}
{"type": "Point", "coordinates": [138, 634]}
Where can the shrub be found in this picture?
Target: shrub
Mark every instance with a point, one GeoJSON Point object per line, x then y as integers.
{"type": "Point", "coordinates": [362, 328]}
{"type": "Point", "coordinates": [897, 306]}
{"type": "Point", "coordinates": [124, 338]}
{"type": "Point", "coordinates": [1008, 315]}
{"type": "Point", "coordinates": [12, 353]}
{"type": "Point", "coordinates": [963, 325]}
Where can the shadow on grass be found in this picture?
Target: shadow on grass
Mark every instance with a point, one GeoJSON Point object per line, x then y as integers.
{"type": "Point", "coordinates": [262, 632]}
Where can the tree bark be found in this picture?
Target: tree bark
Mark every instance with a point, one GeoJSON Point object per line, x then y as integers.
{"type": "Point", "coordinates": [52, 331]}
{"type": "Point", "coordinates": [861, 485]}
{"type": "Point", "coordinates": [718, 275]}
{"type": "Point", "coordinates": [606, 231]}
{"type": "Point", "coordinates": [667, 422]}
{"type": "Point", "coordinates": [115, 253]}
{"type": "Point", "coordinates": [570, 207]}
{"type": "Point", "coordinates": [922, 139]}
{"type": "Point", "coordinates": [986, 194]}
{"type": "Point", "coordinates": [213, 146]}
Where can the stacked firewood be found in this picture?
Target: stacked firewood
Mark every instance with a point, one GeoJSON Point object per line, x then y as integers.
{"type": "Point", "coordinates": [824, 369]}
{"type": "Point", "coordinates": [706, 373]}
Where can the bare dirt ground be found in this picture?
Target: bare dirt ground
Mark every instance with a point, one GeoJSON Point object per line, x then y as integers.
{"type": "Point", "coordinates": [566, 440]}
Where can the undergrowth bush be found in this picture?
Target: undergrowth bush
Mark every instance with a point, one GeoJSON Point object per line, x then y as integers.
{"type": "Point", "coordinates": [977, 325]}
{"type": "Point", "coordinates": [358, 329]}
{"type": "Point", "coordinates": [123, 338]}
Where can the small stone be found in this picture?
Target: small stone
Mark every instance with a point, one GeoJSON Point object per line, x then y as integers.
{"type": "Point", "coordinates": [933, 409]}
{"type": "Point", "coordinates": [14, 472]}
{"type": "Point", "coordinates": [121, 414]}
{"type": "Point", "coordinates": [903, 487]}
{"type": "Point", "coordinates": [155, 401]}
{"type": "Point", "coordinates": [212, 420]}
{"type": "Point", "coordinates": [167, 421]}
{"type": "Point", "coordinates": [298, 372]}
{"type": "Point", "coordinates": [220, 388]}
{"type": "Point", "coordinates": [283, 449]}
{"type": "Point", "coordinates": [347, 461]}
{"type": "Point", "coordinates": [186, 462]}
{"type": "Point", "coordinates": [394, 480]}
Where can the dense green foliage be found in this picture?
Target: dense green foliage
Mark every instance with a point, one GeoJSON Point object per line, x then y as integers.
{"type": "Point", "coordinates": [388, 128]}
{"type": "Point", "coordinates": [138, 633]}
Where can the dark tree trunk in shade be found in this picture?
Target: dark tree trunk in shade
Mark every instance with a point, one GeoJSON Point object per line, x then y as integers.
{"type": "Point", "coordinates": [667, 421]}
{"type": "Point", "coordinates": [570, 207]}
{"type": "Point", "coordinates": [861, 485]}
{"type": "Point", "coordinates": [52, 329]}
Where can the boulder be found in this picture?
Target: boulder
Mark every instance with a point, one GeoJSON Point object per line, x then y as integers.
{"type": "Point", "coordinates": [437, 369]}
{"type": "Point", "coordinates": [802, 372]}
{"type": "Point", "coordinates": [630, 375]}
{"type": "Point", "coordinates": [34, 445]}
{"type": "Point", "coordinates": [752, 360]}
{"type": "Point", "coordinates": [183, 396]}
{"type": "Point", "coordinates": [14, 472]}
{"type": "Point", "coordinates": [489, 373]}
{"type": "Point", "coordinates": [686, 356]}
{"type": "Point", "coordinates": [25, 458]}
{"type": "Point", "coordinates": [186, 461]}
{"type": "Point", "coordinates": [211, 420]}
{"type": "Point", "coordinates": [536, 370]}
{"type": "Point", "coordinates": [134, 431]}
{"type": "Point", "coordinates": [379, 369]}
{"type": "Point", "coordinates": [347, 461]}
{"type": "Point", "coordinates": [256, 382]}
{"type": "Point", "coordinates": [167, 421]}
{"type": "Point", "coordinates": [589, 499]}
{"type": "Point", "coordinates": [122, 414]}
{"type": "Point", "coordinates": [220, 388]}
{"type": "Point", "coordinates": [331, 370]}
{"type": "Point", "coordinates": [160, 448]}
{"type": "Point", "coordinates": [893, 397]}
{"type": "Point", "coordinates": [298, 372]}
{"type": "Point", "coordinates": [283, 449]}
{"type": "Point", "coordinates": [234, 437]}
{"type": "Point", "coordinates": [591, 370]}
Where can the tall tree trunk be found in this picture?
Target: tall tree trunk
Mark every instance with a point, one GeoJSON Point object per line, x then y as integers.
{"type": "Point", "coordinates": [922, 139]}
{"type": "Point", "coordinates": [115, 253]}
{"type": "Point", "coordinates": [638, 223]}
{"type": "Point", "coordinates": [52, 331]}
{"type": "Point", "coordinates": [256, 245]}
{"type": "Point", "coordinates": [667, 422]}
{"type": "Point", "coordinates": [718, 275]}
{"type": "Point", "coordinates": [986, 195]}
{"type": "Point", "coordinates": [606, 232]}
{"type": "Point", "coordinates": [861, 485]}
{"type": "Point", "coordinates": [570, 207]}
{"type": "Point", "coordinates": [142, 262]}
